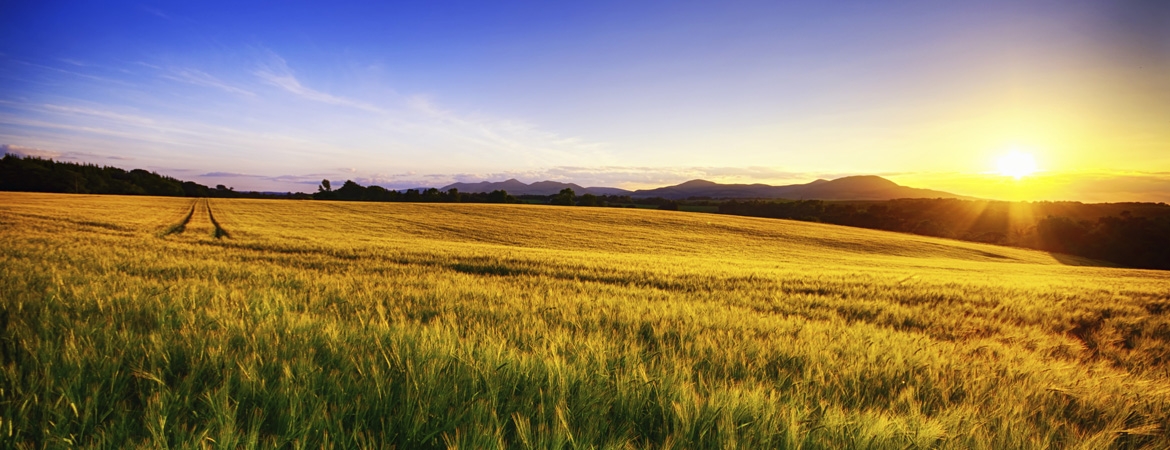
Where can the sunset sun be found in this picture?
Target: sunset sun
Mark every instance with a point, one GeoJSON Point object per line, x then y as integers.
{"type": "Point", "coordinates": [1016, 165]}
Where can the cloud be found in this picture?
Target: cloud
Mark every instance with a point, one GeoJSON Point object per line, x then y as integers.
{"type": "Point", "coordinates": [126, 118]}
{"type": "Point", "coordinates": [418, 118]}
{"type": "Point", "coordinates": [390, 127]}
{"type": "Point", "coordinates": [200, 78]}
{"type": "Point", "coordinates": [69, 125]}
{"type": "Point", "coordinates": [22, 151]}
{"type": "Point", "coordinates": [87, 156]}
{"type": "Point", "coordinates": [1122, 186]}
{"type": "Point", "coordinates": [1083, 186]}
{"type": "Point", "coordinates": [227, 174]}
{"type": "Point", "coordinates": [278, 182]}
{"type": "Point", "coordinates": [156, 12]}
{"type": "Point", "coordinates": [73, 73]}
{"type": "Point", "coordinates": [486, 139]}
{"type": "Point", "coordinates": [277, 73]}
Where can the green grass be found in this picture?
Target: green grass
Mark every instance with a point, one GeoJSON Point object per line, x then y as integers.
{"type": "Point", "coordinates": [326, 324]}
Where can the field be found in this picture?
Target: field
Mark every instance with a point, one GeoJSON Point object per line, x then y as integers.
{"type": "Point", "coordinates": [175, 322]}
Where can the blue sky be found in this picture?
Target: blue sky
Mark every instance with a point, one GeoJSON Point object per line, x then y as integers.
{"type": "Point", "coordinates": [277, 96]}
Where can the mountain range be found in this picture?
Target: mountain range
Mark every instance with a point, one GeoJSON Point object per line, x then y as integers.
{"type": "Point", "coordinates": [517, 187]}
{"type": "Point", "coordinates": [861, 187]}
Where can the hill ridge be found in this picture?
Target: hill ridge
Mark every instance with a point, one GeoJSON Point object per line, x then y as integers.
{"type": "Point", "coordinates": [856, 187]}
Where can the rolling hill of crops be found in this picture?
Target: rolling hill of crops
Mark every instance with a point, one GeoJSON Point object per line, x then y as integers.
{"type": "Point", "coordinates": [223, 323]}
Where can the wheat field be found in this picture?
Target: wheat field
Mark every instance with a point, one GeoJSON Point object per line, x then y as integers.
{"type": "Point", "coordinates": [193, 323]}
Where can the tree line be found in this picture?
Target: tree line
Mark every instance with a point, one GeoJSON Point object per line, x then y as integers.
{"type": "Point", "coordinates": [567, 197]}
{"type": "Point", "coordinates": [33, 174]}
{"type": "Point", "coordinates": [350, 191]}
{"type": "Point", "coordinates": [1136, 236]}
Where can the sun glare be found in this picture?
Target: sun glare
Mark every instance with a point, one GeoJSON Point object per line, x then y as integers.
{"type": "Point", "coordinates": [1016, 165]}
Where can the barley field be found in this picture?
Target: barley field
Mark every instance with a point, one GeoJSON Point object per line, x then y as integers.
{"type": "Point", "coordinates": [193, 323]}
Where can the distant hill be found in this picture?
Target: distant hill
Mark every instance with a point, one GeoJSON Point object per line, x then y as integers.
{"type": "Point", "coordinates": [516, 187]}
{"type": "Point", "coordinates": [862, 187]}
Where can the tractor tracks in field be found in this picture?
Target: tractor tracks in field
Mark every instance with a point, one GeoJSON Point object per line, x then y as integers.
{"type": "Point", "coordinates": [219, 232]}
{"type": "Point", "coordinates": [199, 208]}
{"type": "Point", "coordinates": [180, 227]}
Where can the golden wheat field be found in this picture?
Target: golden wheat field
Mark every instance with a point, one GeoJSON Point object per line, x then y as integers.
{"type": "Point", "coordinates": [194, 323]}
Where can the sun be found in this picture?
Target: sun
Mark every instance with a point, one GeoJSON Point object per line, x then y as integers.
{"type": "Point", "coordinates": [1016, 165]}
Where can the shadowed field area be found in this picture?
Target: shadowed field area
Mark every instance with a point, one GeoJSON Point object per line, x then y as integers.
{"type": "Point", "coordinates": [147, 321]}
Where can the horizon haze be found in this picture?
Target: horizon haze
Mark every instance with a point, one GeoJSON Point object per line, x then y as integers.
{"type": "Point", "coordinates": [1073, 96]}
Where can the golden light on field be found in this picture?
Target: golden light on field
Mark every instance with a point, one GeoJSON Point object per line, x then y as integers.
{"type": "Point", "coordinates": [323, 308]}
{"type": "Point", "coordinates": [1016, 165]}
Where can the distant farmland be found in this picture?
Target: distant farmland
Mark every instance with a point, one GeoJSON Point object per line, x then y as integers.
{"type": "Point", "coordinates": [223, 323]}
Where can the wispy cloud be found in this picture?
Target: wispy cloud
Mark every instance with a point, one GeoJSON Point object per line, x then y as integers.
{"type": "Point", "coordinates": [256, 182]}
{"type": "Point", "coordinates": [73, 73]}
{"type": "Point", "coordinates": [200, 78]}
{"type": "Point", "coordinates": [419, 118]}
{"type": "Point", "coordinates": [120, 117]}
{"type": "Point", "coordinates": [135, 128]}
{"type": "Point", "coordinates": [227, 175]}
{"type": "Point", "coordinates": [506, 138]}
{"type": "Point", "coordinates": [391, 126]}
{"type": "Point", "coordinates": [22, 151]}
{"type": "Point", "coordinates": [156, 12]}
{"type": "Point", "coordinates": [1114, 186]}
{"type": "Point", "coordinates": [1085, 186]}
{"type": "Point", "coordinates": [277, 73]}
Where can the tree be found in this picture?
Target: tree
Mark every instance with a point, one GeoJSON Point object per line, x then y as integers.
{"type": "Point", "coordinates": [565, 198]}
{"type": "Point", "coordinates": [1061, 234]}
{"type": "Point", "coordinates": [588, 200]}
{"type": "Point", "coordinates": [351, 191]}
{"type": "Point", "coordinates": [931, 228]}
{"type": "Point", "coordinates": [324, 191]}
{"type": "Point", "coordinates": [377, 193]}
{"type": "Point", "coordinates": [500, 196]}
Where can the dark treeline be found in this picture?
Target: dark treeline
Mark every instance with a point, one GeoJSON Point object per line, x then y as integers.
{"type": "Point", "coordinates": [1129, 234]}
{"type": "Point", "coordinates": [569, 198]}
{"type": "Point", "coordinates": [350, 191]}
{"type": "Point", "coordinates": [32, 174]}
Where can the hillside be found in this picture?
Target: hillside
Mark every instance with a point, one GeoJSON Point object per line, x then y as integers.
{"type": "Point", "coordinates": [349, 324]}
{"type": "Point", "coordinates": [862, 187]}
{"type": "Point", "coordinates": [516, 187]}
